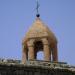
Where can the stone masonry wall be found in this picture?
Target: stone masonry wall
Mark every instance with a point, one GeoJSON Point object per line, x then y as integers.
{"type": "Point", "coordinates": [9, 69]}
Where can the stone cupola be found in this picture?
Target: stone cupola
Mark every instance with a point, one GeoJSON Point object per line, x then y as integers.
{"type": "Point", "coordinates": [39, 37]}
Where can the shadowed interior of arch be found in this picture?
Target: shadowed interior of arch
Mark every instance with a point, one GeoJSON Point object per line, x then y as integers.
{"type": "Point", "coordinates": [38, 47]}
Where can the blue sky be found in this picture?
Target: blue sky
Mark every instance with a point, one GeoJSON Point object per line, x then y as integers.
{"type": "Point", "coordinates": [16, 16]}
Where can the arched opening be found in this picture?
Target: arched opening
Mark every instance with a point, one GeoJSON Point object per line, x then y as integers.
{"type": "Point", "coordinates": [40, 55]}
{"type": "Point", "coordinates": [38, 47]}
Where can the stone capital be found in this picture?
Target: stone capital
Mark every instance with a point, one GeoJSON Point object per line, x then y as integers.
{"type": "Point", "coordinates": [30, 43]}
{"type": "Point", "coordinates": [45, 41]}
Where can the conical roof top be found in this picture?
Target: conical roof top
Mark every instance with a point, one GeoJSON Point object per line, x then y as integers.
{"type": "Point", "coordinates": [39, 30]}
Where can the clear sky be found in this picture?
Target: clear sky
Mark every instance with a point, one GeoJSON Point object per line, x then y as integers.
{"type": "Point", "coordinates": [16, 16]}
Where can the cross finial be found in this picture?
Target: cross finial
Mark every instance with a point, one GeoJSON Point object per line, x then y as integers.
{"type": "Point", "coordinates": [37, 9]}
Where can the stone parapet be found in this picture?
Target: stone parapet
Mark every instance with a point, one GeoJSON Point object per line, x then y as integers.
{"type": "Point", "coordinates": [25, 69]}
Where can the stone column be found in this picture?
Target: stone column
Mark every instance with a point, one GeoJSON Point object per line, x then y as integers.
{"type": "Point", "coordinates": [55, 53]}
{"type": "Point", "coordinates": [47, 52]}
{"type": "Point", "coordinates": [24, 55]}
{"type": "Point", "coordinates": [31, 55]}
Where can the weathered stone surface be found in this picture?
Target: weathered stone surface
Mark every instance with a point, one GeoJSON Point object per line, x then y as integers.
{"type": "Point", "coordinates": [39, 34]}
{"type": "Point", "coordinates": [21, 69]}
{"type": "Point", "coordinates": [36, 68]}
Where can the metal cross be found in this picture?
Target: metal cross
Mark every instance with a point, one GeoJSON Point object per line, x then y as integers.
{"type": "Point", "coordinates": [37, 7]}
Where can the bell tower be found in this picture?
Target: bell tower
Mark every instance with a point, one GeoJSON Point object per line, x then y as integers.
{"type": "Point", "coordinates": [39, 37]}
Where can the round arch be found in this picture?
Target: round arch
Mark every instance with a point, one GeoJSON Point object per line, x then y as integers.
{"type": "Point", "coordinates": [38, 47]}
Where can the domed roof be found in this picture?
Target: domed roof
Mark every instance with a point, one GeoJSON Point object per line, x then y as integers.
{"type": "Point", "coordinates": [38, 30]}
